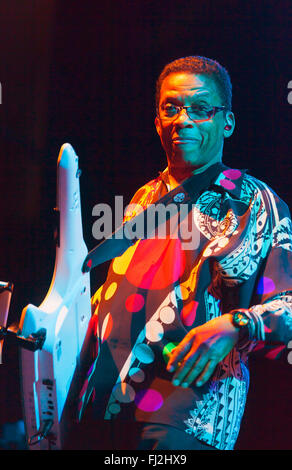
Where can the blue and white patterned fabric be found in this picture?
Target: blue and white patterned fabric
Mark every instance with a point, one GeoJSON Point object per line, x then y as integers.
{"type": "Point", "coordinates": [158, 290]}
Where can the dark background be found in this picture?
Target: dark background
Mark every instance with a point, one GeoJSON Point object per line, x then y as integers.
{"type": "Point", "coordinates": [84, 73]}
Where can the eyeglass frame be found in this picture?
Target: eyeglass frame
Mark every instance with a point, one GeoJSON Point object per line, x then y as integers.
{"type": "Point", "coordinates": [215, 109]}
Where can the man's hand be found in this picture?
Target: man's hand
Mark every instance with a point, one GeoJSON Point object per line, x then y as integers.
{"type": "Point", "coordinates": [198, 354]}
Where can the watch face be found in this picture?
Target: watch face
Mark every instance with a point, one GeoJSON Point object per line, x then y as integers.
{"type": "Point", "coordinates": [240, 319]}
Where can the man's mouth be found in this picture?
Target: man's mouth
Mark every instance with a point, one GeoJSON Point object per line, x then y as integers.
{"type": "Point", "coordinates": [183, 140]}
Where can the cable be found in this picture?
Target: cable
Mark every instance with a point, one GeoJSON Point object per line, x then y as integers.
{"type": "Point", "coordinates": [43, 434]}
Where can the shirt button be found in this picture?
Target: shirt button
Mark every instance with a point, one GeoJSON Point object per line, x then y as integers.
{"type": "Point", "coordinates": [179, 197]}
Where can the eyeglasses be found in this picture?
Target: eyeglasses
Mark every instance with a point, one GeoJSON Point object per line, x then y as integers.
{"type": "Point", "coordinates": [197, 113]}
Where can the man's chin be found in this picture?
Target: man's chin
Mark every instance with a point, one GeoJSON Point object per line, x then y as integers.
{"type": "Point", "coordinates": [183, 160]}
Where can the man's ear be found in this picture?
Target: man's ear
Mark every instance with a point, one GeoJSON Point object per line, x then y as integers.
{"type": "Point", "coordinates": [229, 124]}
{"type": "Point", "coordinates": [158, 126]}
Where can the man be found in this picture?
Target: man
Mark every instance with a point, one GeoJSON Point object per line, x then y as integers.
{"type": "Point", "coordinates": [174, 323]}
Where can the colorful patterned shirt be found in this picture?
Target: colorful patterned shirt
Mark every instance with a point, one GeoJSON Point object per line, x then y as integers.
{"type": "Point", "coordinates": [239, 256]}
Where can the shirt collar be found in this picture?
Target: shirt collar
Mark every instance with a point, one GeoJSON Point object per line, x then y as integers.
{"type": "Point", "coordinates": [229, 180]}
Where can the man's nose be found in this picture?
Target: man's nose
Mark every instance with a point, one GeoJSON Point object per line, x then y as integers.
{"type": "Point", "coordinates": [182, 118]}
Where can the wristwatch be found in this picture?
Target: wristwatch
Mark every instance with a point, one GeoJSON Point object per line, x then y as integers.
{"type": "Point", "coordinates": [241, 321]}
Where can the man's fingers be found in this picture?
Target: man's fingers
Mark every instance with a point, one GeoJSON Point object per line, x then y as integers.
{"type": "Point", "coordinates": [177, 355]}
{"type": "Point", "coordinates": [192, 368]}
{"type": "Point", "coordinates": [207, 373]}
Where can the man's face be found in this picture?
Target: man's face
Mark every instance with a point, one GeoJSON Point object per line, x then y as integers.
{"type": "Point", "coordinates": [191, 145]}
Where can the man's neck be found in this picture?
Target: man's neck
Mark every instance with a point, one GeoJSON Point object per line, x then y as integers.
{"type": "Point", "coordinates": [178, 175]}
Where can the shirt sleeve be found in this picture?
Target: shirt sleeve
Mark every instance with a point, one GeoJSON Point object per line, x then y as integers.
{"type": "Point", "coordinates": [271, 314]}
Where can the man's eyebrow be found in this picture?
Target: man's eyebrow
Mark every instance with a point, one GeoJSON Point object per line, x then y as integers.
{"type": "Point", "coordinates": [202, 98]}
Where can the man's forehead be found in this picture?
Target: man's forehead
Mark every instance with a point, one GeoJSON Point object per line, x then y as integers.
{"type": "Point", "coordinates": [182, 82]}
